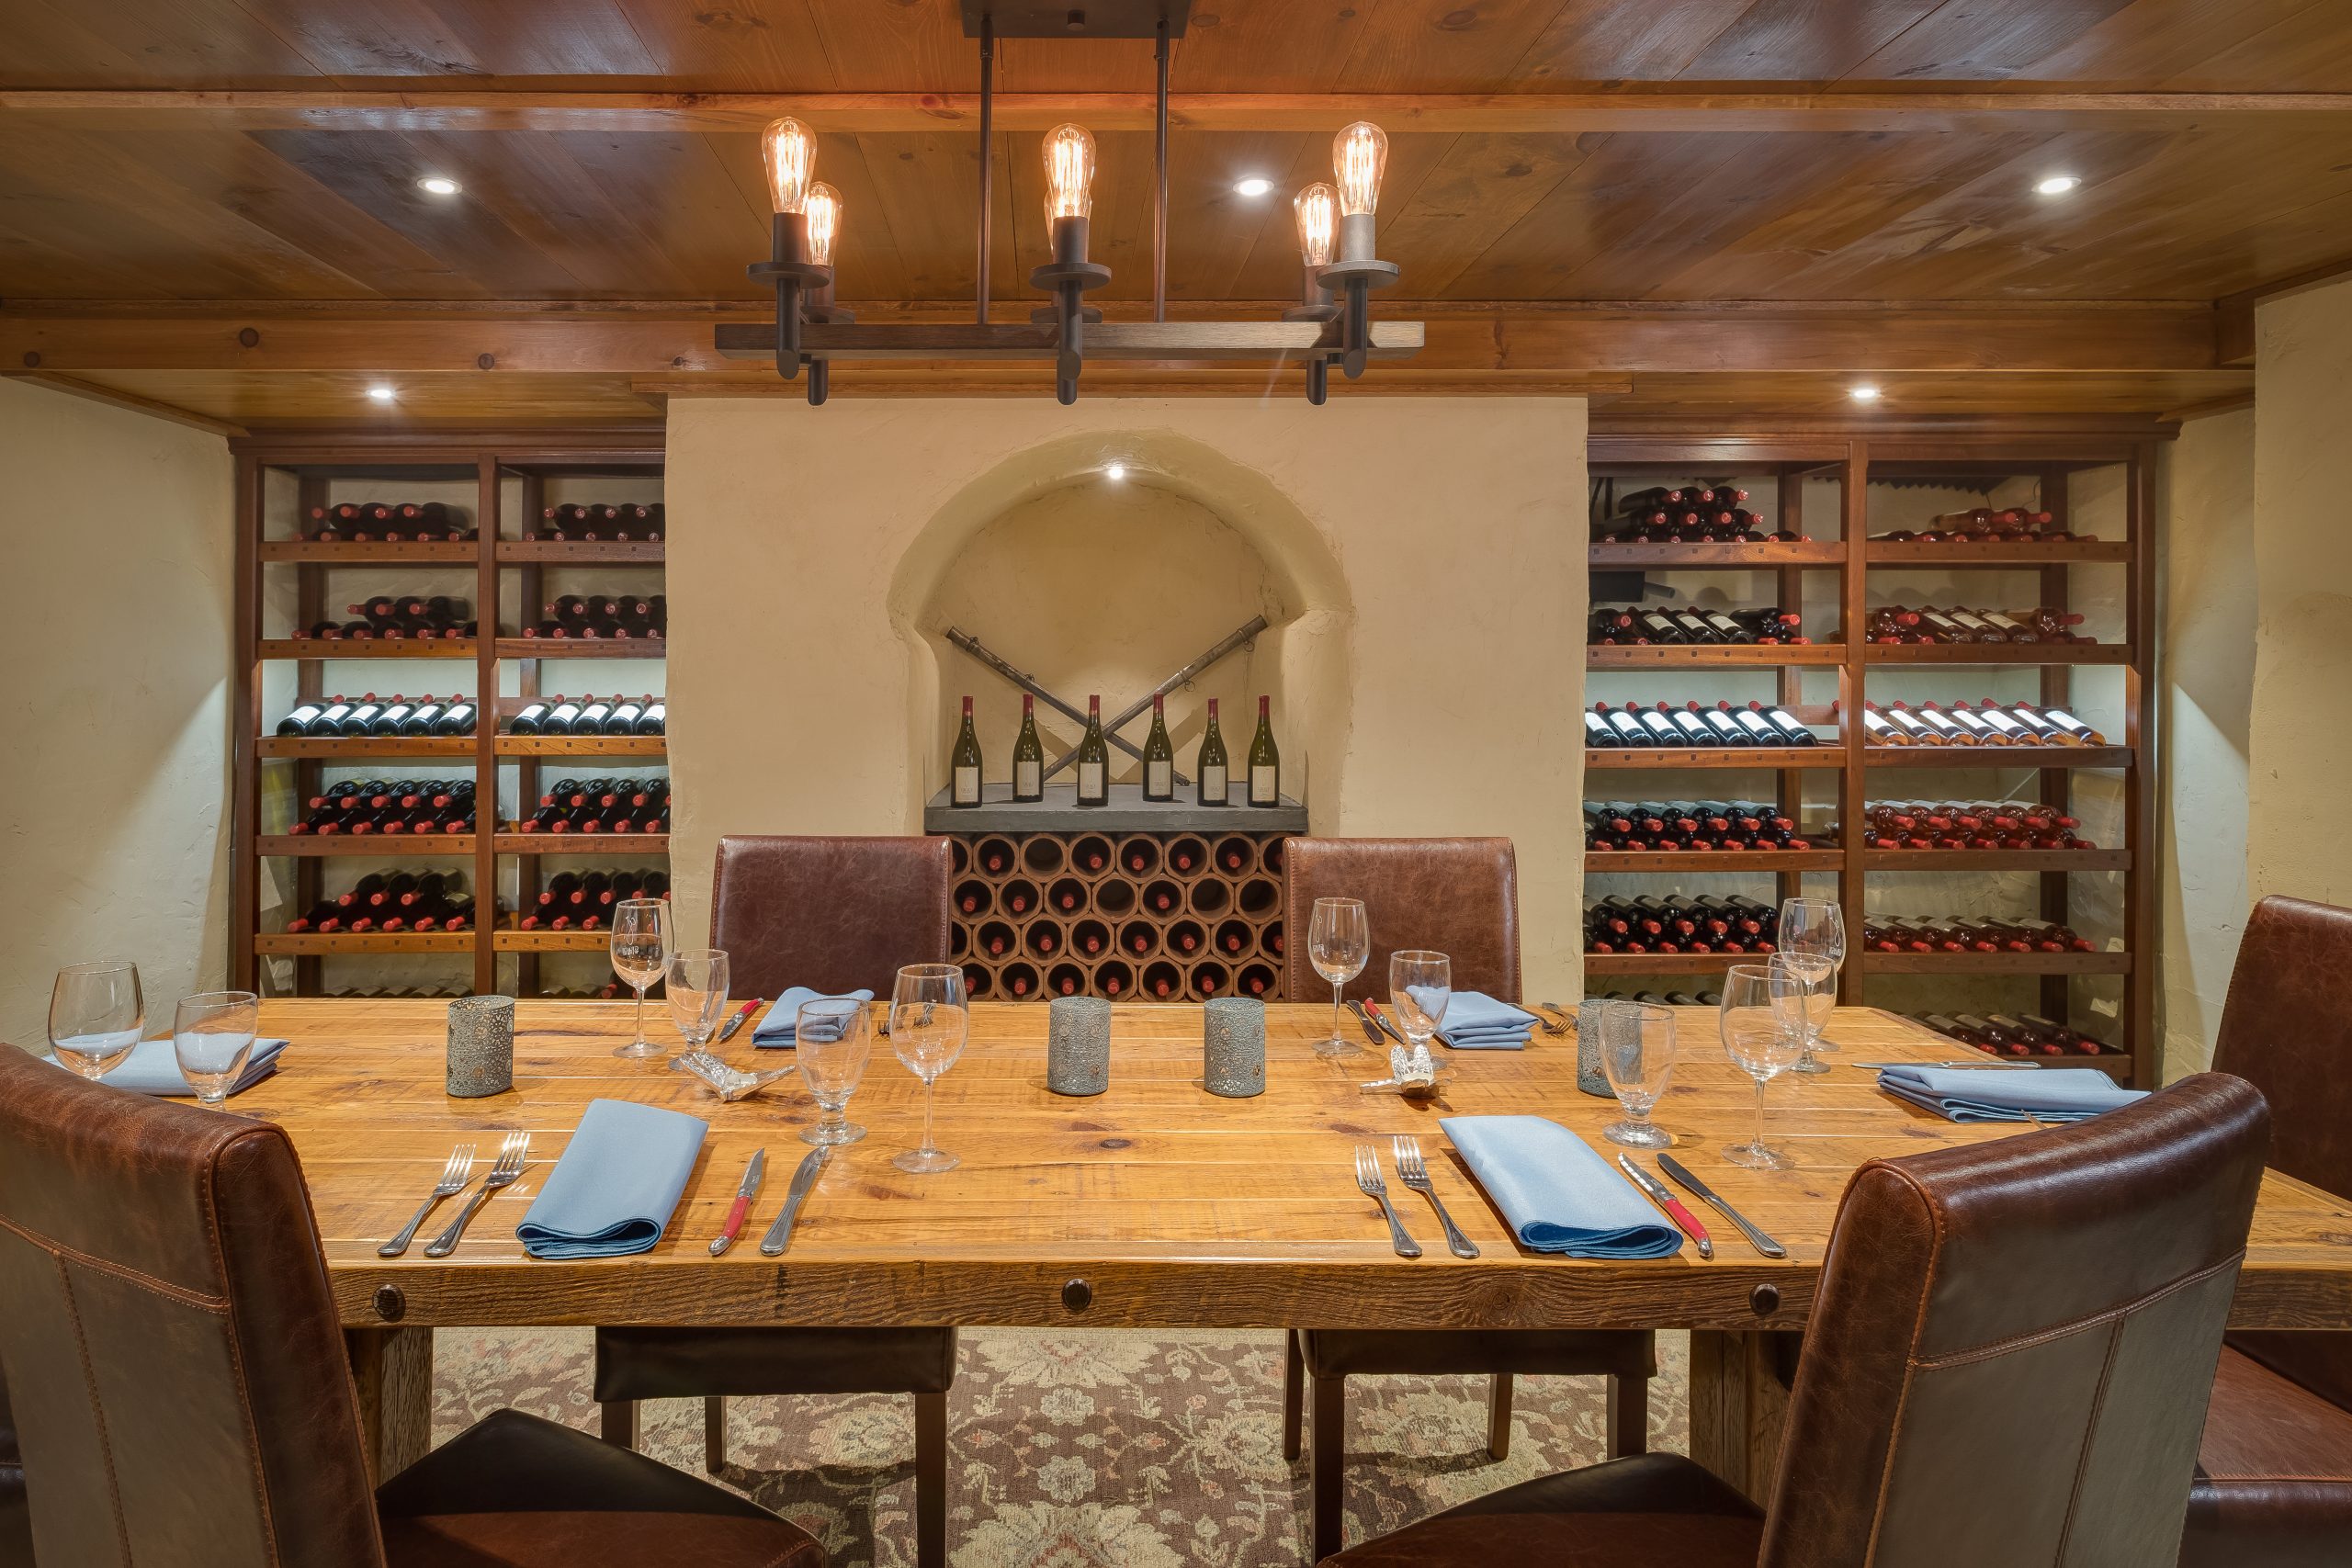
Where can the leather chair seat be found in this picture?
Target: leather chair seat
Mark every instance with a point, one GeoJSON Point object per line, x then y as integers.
{"type": "Point", "coordinates": [517, 1492]}
{"type": "Point", "coordinates": [693, 1363]}
{"type": "Point", "coordinates": [1355, 1352]}
{"type": "Point", "coordinates": [2273, 1475]}
{"type": "Point", "coordinates": [1651, 1508]}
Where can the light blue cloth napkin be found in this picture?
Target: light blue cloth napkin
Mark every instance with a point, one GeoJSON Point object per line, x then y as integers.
{"type": "Point", "coordinates": [2000, 1094]}
{"type": "Point", "coordinates": [618, 1181]}
{"type": "Point", "coordinates": [1557, 1192]}
{"type": "Point", "coordinates": [1476, 1022]}
{"type": "Point", "coordinates": [777, 1025]}
{"type": "Point", "coordinates": [152, 1068]}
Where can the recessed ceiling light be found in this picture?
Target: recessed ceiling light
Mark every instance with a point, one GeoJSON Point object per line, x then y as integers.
{"type": "Point", "coordinates": [438, 185]}
{"type": "Point", "coordinates": [1864, 393]}
{"type": "Point", "coordinates": [1254, 186]}
{"type": "Point", "coordinates": [2059, 184]}
{"type": "Point", "coordinates": [1115, 471]}
{"type": "Point", "coordinates": [380, 394]}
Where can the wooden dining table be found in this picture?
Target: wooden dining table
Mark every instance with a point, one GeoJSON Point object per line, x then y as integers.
{"type": "Point", "coordinates": [1155, 1204]}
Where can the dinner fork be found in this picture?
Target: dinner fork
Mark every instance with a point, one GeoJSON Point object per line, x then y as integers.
{"type": "Point", "coordinates": [1552, 1027]}
{"type": "Point", "coordinates": [1374, 1185]}
{"type": "Point", "coordinates": [508, 1170]}
{"type": "Point", "coordinates": [454, 1177]}
{"type": "Point", "coordinates": [1415, 1174]}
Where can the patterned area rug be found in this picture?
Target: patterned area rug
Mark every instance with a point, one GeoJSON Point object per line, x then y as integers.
{"type": "Point", "coordinates": [1067, 1451]}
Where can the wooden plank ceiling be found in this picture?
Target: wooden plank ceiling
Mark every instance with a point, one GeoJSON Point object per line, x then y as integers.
{"type": "Point", "coordinates": [136, 207]}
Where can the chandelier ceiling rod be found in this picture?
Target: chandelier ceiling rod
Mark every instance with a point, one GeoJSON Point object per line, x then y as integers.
{"type": "Point", "coordinates": [1160, 165]}
{"type": "Point", "coordinates": [988, 153]}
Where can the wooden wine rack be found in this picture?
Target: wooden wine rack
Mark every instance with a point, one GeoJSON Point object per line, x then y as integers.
{"type": "Point", "coordinates": [1024, 903]}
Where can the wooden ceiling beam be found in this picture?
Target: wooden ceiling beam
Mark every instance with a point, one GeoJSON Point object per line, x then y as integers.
{"type": "Point", "coordinates": [1659, 106]}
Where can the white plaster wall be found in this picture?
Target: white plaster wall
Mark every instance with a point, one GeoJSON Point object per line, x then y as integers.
{"type": "Point", "coordinates": [1434, 549]}
{"type": "Point", "coordinates": [113, 839]}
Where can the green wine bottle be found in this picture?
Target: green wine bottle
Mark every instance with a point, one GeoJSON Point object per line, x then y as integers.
{"type": "Point", "coordinates": [1093, 759]}
{"type": "Point", "coordinates": [964, 766]}
{"type": "Point", "coordinates": [1210, 770]}
{"type": "Point", "coordinates": [1266, 759]}
{"type": "Point", "coordinates": [1028, 756]}
{"type": "Point", "coordinates": [1159, 757]}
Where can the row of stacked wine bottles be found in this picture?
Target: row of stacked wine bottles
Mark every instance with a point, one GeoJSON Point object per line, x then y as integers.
{"type": "Point", "coordinates": [413, 522]}
{"type": "Point", "coordinates": [1089, 855]}
{"type": "Point", "coordinates": [1212, 774]}
{"type": "Point", "coordinates": [1116, 979]}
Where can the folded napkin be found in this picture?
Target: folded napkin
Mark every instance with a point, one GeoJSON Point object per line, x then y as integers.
{"type": "Point", "coordinates": [777, 1025]}
{"type": "Point", "coordinates": [2000, 1094]}
{"type": "Point", "coordinates": [152, 1068]}
{"type": "Point", "coordinates": [1557, 1192]}
{"type": "Point", "coordinates": [1476, 1022]}
{"type": "Point", "coordinates": [613, 1190]}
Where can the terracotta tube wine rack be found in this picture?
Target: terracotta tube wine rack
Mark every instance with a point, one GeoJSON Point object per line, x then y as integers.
{"type": "Point", "coordinates": [1148, 916]}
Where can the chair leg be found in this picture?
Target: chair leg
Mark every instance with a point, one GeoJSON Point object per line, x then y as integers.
{"type": "Point", "coordinates": [1329, 1464]}
{"type": "Point", "coordinates": [1293, 1395]}
{"type": "Point", "coordinates": [619, 1422]}
{"type": "Point", "coordinates": [1499, 1415]}
{"type": "Point", "coordinates": [714, 1434]}
{"type": "Point", "coordinates": [1629, 1416]}
{"type": "Point", "coordinates": [930, 1480]}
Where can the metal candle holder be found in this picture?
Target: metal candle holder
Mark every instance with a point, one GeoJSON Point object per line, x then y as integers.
{"type": "Point", "coordinates": [1353, 276]}
{"type": "Point", "coordinates": [795, 276]}
{"type": "Point", "coordinates": [1068, 278]}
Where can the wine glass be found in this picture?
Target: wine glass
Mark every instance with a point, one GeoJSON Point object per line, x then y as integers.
{"type": "Point", "coordinates": [640, 950]}
{"type": "Point", "coordinates": [1421, 984]}
{"type": "Point", "coordinates": [96, 1013]}
{"type": "Point", "coordinates": [695, 984]}
{"type": "Point", "coordinates": [1815, 928]}
{"type": "Point", "coordinates": [1338, 943]}
{"type": "Point", "coordinates": [928, 1023]}
{"type": "Point", "coordinates": [1812, 992]}
{"type": "Point", "coordinates": [1637, 1046]}
{"type": "Point", "coordinates": [1757, 1044]}
{"type": "Point", "coordinates": [833, 1040]}
{"type": "Point", "coordinates": [212, 1036]}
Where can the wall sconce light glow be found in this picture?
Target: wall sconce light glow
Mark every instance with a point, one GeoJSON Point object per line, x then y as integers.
{"type": "Point", "coordinates": [2058, 185]}
{"type": "Point", "coordinates": [1864, 393]}
{"type": "Point", "coordinates": [1114, 472]}
{"type": "Point", "coordinates": [1255, 186]}
{"type": "Point", "coordinates": [379, 394]}
{"type": "Point", "coordinates": [438, 185]}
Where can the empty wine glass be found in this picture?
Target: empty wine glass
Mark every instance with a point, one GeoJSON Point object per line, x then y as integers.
{"type": "Point", "coordinates": [1338, 943]}
{"type": "Point", "coordinates": [1421, 984]}
{"type": "Point", "coordinates": [928, 1025]}
{"type": "Point", "coordinates": [1810, 993]}
{"type": "Point", "coordinates": [212, 1036]}
{"type": "Point", "coordinates": [96, 1012]}
{"type": "Point", "coordinates": [833, 1040]}
{"type": "Point", "coordinates": [695, 985]}
{"type": "Point", "coordinates": [1637, 1046]}
{"type": "Point", "coordinates": [1815, 928]}
{"type": "Point", "coordinates": [641, 946]}
{"type": "Point", "coordinates": [1758, 1046]}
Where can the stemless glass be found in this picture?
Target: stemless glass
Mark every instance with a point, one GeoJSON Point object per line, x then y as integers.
{"type": "Point", "coordinates": [96, 1012]}
{"type": "Point", "coordinates": [833, 1040]}
{"type": "Point", "coordinates": [1637, 1048]}
{"type": "Point", "coordinates": [1338, 943]}
{"type": "Point", "coordinates": [695, 984]}
{"type": "Point", "coordinates": [928, 1025]}
{"type": "Point", "coordinates": [212, 1035]}
{"type": "Point", "coordinates": [641, 951]}
{"type": "Point", "coordinates": [1758, 1046]}
{"type": "Point", "coordinates": [1421, 984]}
{"type": "Point", "coordinates": [1815, 928]}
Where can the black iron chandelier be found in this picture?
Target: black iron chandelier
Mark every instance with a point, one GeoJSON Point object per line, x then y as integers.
{"type": "Point", "coordinates": [1333, 323]}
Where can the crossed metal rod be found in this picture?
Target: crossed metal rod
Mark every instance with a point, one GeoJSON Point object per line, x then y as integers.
{"type": "Point", "coordinates": [1240, 637]}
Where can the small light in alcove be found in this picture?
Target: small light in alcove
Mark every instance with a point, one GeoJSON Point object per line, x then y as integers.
{"type": "Point", "coordinates": [1864, 393]}
{"type": "Point", "coordinates": [380, 393]}
{"type": "Point", "coordinates": [1114, 472]}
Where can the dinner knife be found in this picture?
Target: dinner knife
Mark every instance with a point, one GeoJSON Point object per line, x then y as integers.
{"type": "Point", "coordinates": [1756, 1239]}
{"type": "Point", "coordinates": [753, 1175]}
{"type": "Point", "coordinates": [1370, 1030]}
{"type": "Point", "coordinates": [1665, 1199]}
{"type": "Point", "coordinates": [779, 1235]}
{"type": "Point", "coordinates": [1387, 1023]}
{"type": "Point", "coordinates": [742, 1013]}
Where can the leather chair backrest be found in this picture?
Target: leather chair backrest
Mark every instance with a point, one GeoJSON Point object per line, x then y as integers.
{"type": "Point", "coordinates": [833, 914]}
{"type": "Point", "coordinates": [2012, 1342]}
{"type": "Point", "coordinates": [2288, 1031]}
{"type": "Point", "coordinates": [1459, 896]}
{"type": "Point", "coordinates": [171, 1350]}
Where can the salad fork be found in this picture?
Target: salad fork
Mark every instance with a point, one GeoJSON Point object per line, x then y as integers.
{"type": "Point", "coordinates": [1554, 1027]}
{"type": "Point", "coordinates": [1414, 1173]}
{"type": "Point", "coordinates": [1376, 1186]}
{"type": "Point", "coordinates": [505, 1173]}
{"type": "Point", "coordinates": [454, 1177]}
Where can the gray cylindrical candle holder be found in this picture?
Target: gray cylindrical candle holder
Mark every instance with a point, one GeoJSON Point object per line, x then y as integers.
{"type": "Point", "coordinates": [1233, 1047]}
{"type": "Point", "coordinates": [1078, 1044]}
{"type": "Point", "coordinates": [481, 1046]}
{"type": "Point", "coordinates": [1591, 1077]}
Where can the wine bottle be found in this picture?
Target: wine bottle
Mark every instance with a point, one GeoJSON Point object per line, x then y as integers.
{"type": "Point", "coordinates": [1094, 758]}
{"type": "Point", "coordinates": [560, 719]}
{"type": "Point", "coordinates": [1210, 768]}
{"type": "Point", "coordinates": [1596, 733]}
{"type": "Point", "coordinates": [1266, 759]}
{"type": "Point", "coordinates": [299, 721]}
{"type": "Point", "coordinates": [963, 764]}
{"type": "Point", "coordinates": [1028, 755]}
{"type": "Point", "coordinates": [1159, 757]}
{"type": "Point", "coordinates": [458, 718]}
{"type": "Point", "coordinates": [623, 720]}
{"type": "Point", "coordinates": [421, 717]}
{"type": "Point", "coordinates": [656, 717]}
{"type": "Point", "coordinates": [592, 715]}
{"type": "Point", "coordinates": [356, 721]}
{"type": "Point", "coordinates": [395, 713]}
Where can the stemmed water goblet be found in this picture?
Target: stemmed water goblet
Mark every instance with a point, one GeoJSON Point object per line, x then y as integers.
{"type": "Point", "coordinates": [695, 983]}
{"type": "Point", "coordinates": [1338, 943]}
{"type": "Point", "coordinates": [1751, 1020]}
{"type": "Point", "coordinates": [1637, 1046]}
{"type": "Point", "coordinates": [1421, 985]}
{"type": "Point", "coordinates": [929, 1021]}
{"type": "Point", "coordinates": [212, 1039]}
{"type": "Point", "coordinates": [1812, 936]}
{"type": "Point", "coordinates": [641, 947]}
{"type": "Point", "coordinates": [833, 1040]}
{"type": "Point", "coordinates": [96, 1013]}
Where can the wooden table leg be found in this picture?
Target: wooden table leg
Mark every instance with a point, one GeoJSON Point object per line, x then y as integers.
{"type": "Point", "coordinates": [393, 1370]}
{"type": "Point", "coordinates": [1739, 1398]}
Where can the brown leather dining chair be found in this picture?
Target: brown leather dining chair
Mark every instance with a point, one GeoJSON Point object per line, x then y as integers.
{"type": "Point", "coordinates": [2007, 1364]}
{"type": "Point", "coordinates": [834, 915]}
{"type": "Point", "coordinates": [180, 1391]}
{"type": "Point", "coordinates": [16, 1519]}
{"type": "Point", "coordinates": [2274, 1479]}
{"type": "Point", "coordinates": [1459, 896]}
